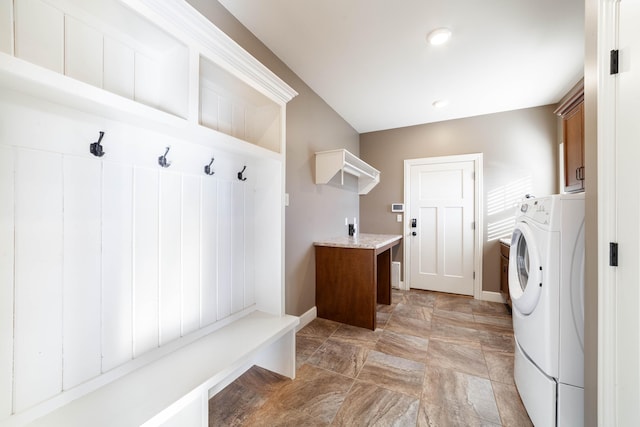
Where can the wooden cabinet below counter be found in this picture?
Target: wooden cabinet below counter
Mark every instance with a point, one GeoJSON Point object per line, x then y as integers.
{"type": "Point", "coordinates": [504, 271]}
{"type": "Point", "coordinates": [353, 276]}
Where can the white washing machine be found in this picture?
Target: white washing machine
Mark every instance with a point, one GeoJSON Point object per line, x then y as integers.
{"type": "Point", "coordinates": [546, 283]}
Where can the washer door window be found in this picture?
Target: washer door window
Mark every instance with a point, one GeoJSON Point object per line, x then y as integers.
{"type": "Point", "coordinates": [525, 276]}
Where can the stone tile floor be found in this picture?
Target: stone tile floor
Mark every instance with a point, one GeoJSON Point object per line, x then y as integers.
{"type": "Point", "coordinates": [434, 360]}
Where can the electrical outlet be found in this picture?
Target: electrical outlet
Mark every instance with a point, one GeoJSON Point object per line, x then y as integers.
{"type": "Point", "coordinates": [399, 217]}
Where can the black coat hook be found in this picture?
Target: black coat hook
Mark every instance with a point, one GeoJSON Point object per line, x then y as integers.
{"type": "Point", "coordinates": [240, 177]}
{"type": "Point", "coordinates": [207, 168]}
{"type": "Point", "coordinates": [162, 160]}
{"type": "Point", "coordinates": [95, 148]}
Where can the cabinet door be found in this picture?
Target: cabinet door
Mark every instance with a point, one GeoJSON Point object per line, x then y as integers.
{"type": "Point", "coordinates": [574, 149]}
{"type": "Point", "coordinates": [504, 275]}
{"type": "Point", "coordinates": [504, 271]}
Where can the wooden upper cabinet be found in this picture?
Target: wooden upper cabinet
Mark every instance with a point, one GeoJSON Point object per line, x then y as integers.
{"type": "Point", "coordinates": [572, 113]}
{"type": "Point", "coordinates": [573, 125]}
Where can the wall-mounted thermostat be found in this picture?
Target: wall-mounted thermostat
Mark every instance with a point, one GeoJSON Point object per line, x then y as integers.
{"type": "Point", "coordinates": [397, 207]}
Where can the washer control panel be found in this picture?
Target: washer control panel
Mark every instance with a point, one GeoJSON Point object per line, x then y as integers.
{"type": "Point", "coordinates": [539, 210]}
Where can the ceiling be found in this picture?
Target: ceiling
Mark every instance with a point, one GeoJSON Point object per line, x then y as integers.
{"type": "Point", "coordinates": [369, 59]}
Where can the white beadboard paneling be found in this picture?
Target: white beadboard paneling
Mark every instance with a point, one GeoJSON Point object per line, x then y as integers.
{"type": "Point", "coordinates": [83, 52]}
{"type": "Point", "coordinates": [268, 237]}
{"type": "Point", "coordinates": [225, 248]}
{"type": "Point", "coordinates": [6, 26]}
{"type": "Point", "coordinates": [145, 253]}
{"type": "Point", "coordinates": [147, 88]}
{"type": "Point", "coordinates": [209, 251]}
{"type": "Point", "coordinates": [175, 81]}
{"type": "Point", "coordinates": [38, 277]}
{"type": "Point", "coordinates": [117, 267]}
{"type": "Point", "coordinates": [40, 34]}
{"type": "Point", "coordinates": [193, 95]}
{"type": "Point", "coordinates": [208, 108]}
{"type": "Point", "coordinates": [6, 280]}
{"type": "Point", "coordinates": [237, 246]}
{"type": "Point", "coordinates": [225, 114]}
{"type": "Point", "coordinates": [119, 68]}
{"type": "Point", "coordinates": [239, 121]}
{"type": "Point", "coordinates": [81, 270]}
{"type": "Point", "coordinates": [190, 253]}
{"type": "Point", "coordinates": [249, 244]}
{"type": "Point", "coordinates": [170, 256]}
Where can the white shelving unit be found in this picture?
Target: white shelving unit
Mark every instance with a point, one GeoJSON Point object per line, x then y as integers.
{"type": "Point", "coordinates": [117, 273]}
{"type": "Point", "coordinates": [105, 45]}
{"type": "Point", "coordinates": [331, 162]}
{"type": "Point", "coordinates": [229, 106]}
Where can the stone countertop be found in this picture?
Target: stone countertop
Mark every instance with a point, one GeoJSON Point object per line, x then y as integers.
{"type": "Point", "coordinates": [361, 241]}
{"type": "Point", "coordinates": [506, 241]}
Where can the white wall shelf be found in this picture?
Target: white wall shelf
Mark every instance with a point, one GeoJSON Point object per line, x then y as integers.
{"type": "Point", "coordinates": [164, 55]}
{"type": "Point", "coordinates": [331, 162]}
{"type": "Point", "coordinates": [21, 77]}
{"type": "Point", "coordinates": [229, 106]}
{"type": "Point", "coordinates": [106, 45]}
{"type": "Point", "coordinates": [96, 292]}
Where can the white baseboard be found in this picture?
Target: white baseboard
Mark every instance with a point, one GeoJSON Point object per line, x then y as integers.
{"type": "Point", "coordinates": [400, 286]}
{"type": "Point", "coordinates": [307, 317]}
{"type": "Point", "coordinates": [492, 296]}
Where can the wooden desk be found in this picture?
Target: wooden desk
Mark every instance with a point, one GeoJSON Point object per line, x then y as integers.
{"type": "Point", "coordinates": [353, 275]}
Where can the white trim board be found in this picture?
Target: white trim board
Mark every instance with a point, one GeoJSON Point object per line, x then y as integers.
{"type": "Point", "coordinates": [307, 317]}
{"type": "Point", "coordinates": [492, 296]}
{"type": "Point", "coordinates": [400, 287]}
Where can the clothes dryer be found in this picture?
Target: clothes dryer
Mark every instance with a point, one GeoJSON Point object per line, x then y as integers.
{"type": "Point", "coordinates": [544, 257]}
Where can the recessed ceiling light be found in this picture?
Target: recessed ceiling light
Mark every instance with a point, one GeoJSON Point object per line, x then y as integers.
{"type": "Point", "coordinates": [439, 36]}
{"type": "Point", "coordinates": [440, 103]}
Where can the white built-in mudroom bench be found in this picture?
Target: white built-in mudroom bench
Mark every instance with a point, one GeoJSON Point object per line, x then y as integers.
{"type": "Point", "coordinates": [142, 166]}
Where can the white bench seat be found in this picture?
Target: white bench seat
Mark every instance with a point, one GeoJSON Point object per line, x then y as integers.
{"type": "Point", "coordinates": [177, 386]}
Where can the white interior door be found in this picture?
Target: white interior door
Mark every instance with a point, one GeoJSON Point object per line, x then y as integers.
{"type": "Point", "coordinates": [441, 225]}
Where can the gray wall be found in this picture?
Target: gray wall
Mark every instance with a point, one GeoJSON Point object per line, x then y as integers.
{"type": "Point", "coordinates": [315, 211]}
{"type": "Point", "coordinates": [519, 147]}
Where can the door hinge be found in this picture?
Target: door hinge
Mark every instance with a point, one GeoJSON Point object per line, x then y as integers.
{"type": "Point", "coordinates": [473, 175]}
{"type": "Point", "coordinates": [473, 225]}
{"type": "Point", "coordinates": [474, 275]}
{"type": "Point", "coordinates": [613, 254]}
{"type": "Point", "coordinates": [613, 62]}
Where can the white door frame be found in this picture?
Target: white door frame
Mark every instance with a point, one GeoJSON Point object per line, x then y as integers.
{"type": "Point", "coordinates": [607, 206]}
{"type": "Point", "coordinates": [606, 151]}
{"type": "Point", "coordinates": [476, 158]}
